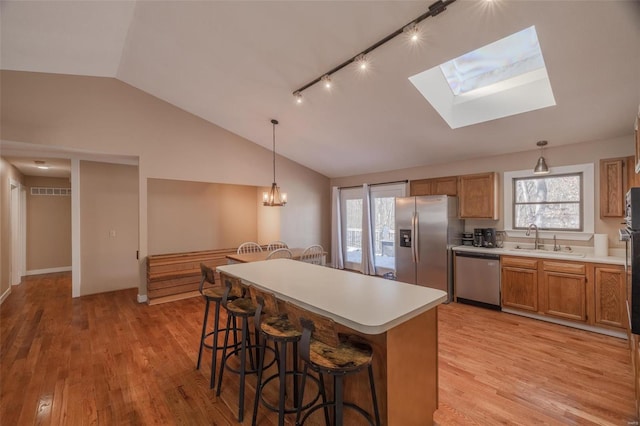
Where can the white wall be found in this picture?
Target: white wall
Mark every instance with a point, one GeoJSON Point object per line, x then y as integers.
{"type": "Point", "coordinates": [104, 115]}
{"type": "Point", "coordinates": [587, 152]}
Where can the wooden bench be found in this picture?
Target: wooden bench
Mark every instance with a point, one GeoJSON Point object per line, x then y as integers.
{"type": "Point", "coordinates": [177, 275]}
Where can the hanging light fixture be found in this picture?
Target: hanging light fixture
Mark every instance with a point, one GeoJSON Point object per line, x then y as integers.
{"type": "Point", "coordinates": [274, 198]}
{"type": "Point", "coordinates": [541, 166]}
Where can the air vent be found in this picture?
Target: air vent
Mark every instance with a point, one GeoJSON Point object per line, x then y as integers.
{"type": "Point", "coordinates": [50, 191]}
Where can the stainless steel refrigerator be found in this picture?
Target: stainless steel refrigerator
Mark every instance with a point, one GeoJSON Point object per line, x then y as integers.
{"type": "Point", "coordinates": [426, 229]}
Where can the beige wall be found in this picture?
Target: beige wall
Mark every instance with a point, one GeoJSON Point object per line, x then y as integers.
{"type": "Point", "coordinates": [108, 227]}
{"type": "Point", "coordinates": [190, 216]}
{"type": "Point", "coordinates": [7, 173]}
{"type": "Point", "coordinates": [48, 225]}
{"type": "Point", "coordinates": [583, 153]}
{"type": "Point", "coordinates": [104, 115]}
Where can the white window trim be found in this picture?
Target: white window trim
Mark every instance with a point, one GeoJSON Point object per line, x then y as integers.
{"type": "Point", "coordinates": [386, 190]}
{"type": "Point", "coordinates": [588, 202]}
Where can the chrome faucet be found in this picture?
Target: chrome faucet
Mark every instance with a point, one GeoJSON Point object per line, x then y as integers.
{"type": "Point", "coordinates": [536, 241]}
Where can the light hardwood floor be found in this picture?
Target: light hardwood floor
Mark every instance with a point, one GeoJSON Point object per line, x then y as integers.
{"type": "Point", "coordinates": [107, 360]}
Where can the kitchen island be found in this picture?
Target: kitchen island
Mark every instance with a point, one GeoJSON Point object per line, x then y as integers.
{"type": "Point", "coordinates": [399, 320]}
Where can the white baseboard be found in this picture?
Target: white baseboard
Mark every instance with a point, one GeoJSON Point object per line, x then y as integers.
{"type": "Point", "coordinates": [142, 298]}
{"type": "Point", "coordinates": [48, 270]}
{"type": "Point", "coordinates": [5, 295]}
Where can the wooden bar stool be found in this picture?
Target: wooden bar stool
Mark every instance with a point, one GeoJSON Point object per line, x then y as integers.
{"type": "Point", "coordinates": [243, 308]}
{"type": "Point", "coordinates": [326, 352]}
{"type": "Point", "coordinates": [275, 326]}
{"type": "Point", "coordinates": [211, 294]}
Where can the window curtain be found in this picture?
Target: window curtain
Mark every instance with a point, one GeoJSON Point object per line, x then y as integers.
{"type": "Point", "coordinates": [368, 254]}
{"type": "Point", "coordinates": [337, 259]}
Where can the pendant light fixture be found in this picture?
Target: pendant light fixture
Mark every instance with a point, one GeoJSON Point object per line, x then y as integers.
{"type": "Point", "coordinates": [274, 198]}
{"type": "Point", "coordinates": [541, 166]}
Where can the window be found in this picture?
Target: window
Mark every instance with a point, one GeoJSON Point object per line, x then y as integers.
{"type": "Point", "coordinates": [351, 213]}
{"type": "Point", "coordinates": [550, 202]}
{"type": "Point", "coordinates": [560, 203]}
{"type": "Point", "coordinates": [383, 225]}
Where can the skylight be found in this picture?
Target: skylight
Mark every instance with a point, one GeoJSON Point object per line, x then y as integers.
{"type": "Point", "coordinates": [504, 78]}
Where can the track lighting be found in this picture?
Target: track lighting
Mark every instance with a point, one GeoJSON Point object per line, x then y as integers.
{"type": "Point", "coordinates": [362, 62]}
{"type": "Point", "coordinates": [361, 59]}
{"type": "Point", "coordinates": [413, 32]}
{"type": "Point", "coordinates": [326, 81]}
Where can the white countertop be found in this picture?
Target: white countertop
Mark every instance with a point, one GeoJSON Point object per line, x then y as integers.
{"type": "Point", "coordinates": [588, 254]}
{"type": "Point", "coordinates": [368, 304]}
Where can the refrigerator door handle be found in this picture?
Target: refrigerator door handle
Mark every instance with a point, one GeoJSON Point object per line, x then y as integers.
{"type": "Point", "coordinates": [416, 233]}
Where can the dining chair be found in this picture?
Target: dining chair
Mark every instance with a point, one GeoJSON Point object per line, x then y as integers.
{"type": "Point", "coordinates": [275, 245]}
{"type": "Point", "coordinates": [283, 253]}
{"type": "Point", "coordinates": [313, 254]}
{"type": "Point", "coordinates": [249, 247]}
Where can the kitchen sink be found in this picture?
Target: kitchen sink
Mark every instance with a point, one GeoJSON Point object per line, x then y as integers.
{"type": "Point", "coordinates": [546, 253]}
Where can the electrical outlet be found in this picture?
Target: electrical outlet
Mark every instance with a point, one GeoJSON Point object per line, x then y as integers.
{"type": "Point", "coordinates": [112, 233]}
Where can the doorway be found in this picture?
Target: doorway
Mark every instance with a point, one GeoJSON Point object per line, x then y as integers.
{"type": "Point", "coordinates": [17, 212]}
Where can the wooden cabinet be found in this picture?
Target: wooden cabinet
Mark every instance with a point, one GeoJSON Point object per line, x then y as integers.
{"type": "Point", "coordinates": [478, 196]}
{"type": "Point", "coordinates": [617, 175]}
{"type": "Point", "coordinates": [633, 179]}
{"type": "Point", "coordinates": [590, 293]}
{"type": "Point", "coordinates": [637, 130]}
{"type": "Point", "coordinates": [610, 296]}
{"type": "Point", "coordinates": [612, 188]}
{"type": "Point", "coordinates": [519, 283]}
{"type": "Point", "coordinates": [564, 292]}
{"type": "Point", "coordinates": [435, 186]}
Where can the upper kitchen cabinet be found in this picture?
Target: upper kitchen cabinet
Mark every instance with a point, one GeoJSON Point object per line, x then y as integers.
{"type": "Point", "coordinates": [612, 187]}
{"type": "Point", "coordinates": [478, 196]}
{"type": "Point", "coordinates": [617, 175]}
{"type": "Point", "coordinates": [435, 186]}
{"type": "Point", "coordinates": [637, 128]}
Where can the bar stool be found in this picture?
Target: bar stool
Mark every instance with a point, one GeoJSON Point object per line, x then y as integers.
{"type": "Point", "coordinates": [211, 294]}
{"type": "Point", "coordinates": [338, 356]}
{"type": "Point", "coordinates": [243, 308]}
{"type": "Point", "coordinates": [276, 327]}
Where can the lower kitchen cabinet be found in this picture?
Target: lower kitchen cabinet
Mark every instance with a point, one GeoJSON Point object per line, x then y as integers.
{"type": "Point", "coordinates": [592, 294]}
{"type": "Point", "coordinates": [610, 297]}
{"type": "Point", "coordinates": [519, 283]}
{"type": "Point", "coordinates": [565, 289]}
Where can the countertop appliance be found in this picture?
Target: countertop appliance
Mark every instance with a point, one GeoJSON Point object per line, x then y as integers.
{"type": "Point", "coordinates": [477, 279]}
{"type": "Point", "coordinates": [484, 237]}
{"type": "Point", "coordinates": [426, 229]}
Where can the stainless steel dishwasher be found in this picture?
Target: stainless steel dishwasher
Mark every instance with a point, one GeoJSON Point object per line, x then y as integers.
{"type": "Point", "coordinates": [477, 279]}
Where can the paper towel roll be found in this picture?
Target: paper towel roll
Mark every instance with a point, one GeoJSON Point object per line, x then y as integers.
{"type": "Point", "coordinates": [600, 245]}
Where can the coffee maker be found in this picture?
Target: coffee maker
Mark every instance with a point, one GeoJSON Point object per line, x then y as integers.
{"type": "Point", "coordinates": [484, 237]}
{"type": "Point", "coordinates": [489, 237]}
{"type": "Point", "coordinates": [478, 237]}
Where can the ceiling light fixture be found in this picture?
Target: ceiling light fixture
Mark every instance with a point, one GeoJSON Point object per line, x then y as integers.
{"type": "Point", "coordinates": [41, 165]}
{"type": "Point", "coordinates": [326, 81]}
{"type": "Point", "coordinates": [541, 166]}
{"type": "Point", "coordinates": [360, 59]}
{"type": "Point", "coordinates": [274, 198]}
{"type": "Point", "coordinates": [413, 32]}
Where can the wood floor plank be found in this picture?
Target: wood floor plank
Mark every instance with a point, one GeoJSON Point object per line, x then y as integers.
{"type": "Point", "coordinates": [107, 360]}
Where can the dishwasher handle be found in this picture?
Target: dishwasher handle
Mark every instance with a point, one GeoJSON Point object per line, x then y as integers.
{"type": "Point", "coordinates": [489, 256]}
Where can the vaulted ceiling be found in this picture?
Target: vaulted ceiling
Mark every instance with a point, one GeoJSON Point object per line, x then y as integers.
{"type": "Point", "coordinates": [236, 64]}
